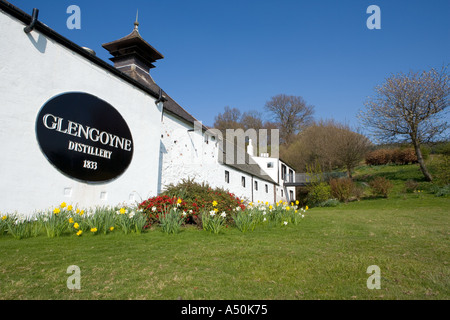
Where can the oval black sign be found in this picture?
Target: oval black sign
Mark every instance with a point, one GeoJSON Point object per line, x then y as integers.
{"type": "Point", "coordinates": [84, 137]}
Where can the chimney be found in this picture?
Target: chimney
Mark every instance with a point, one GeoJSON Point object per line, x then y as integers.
{"type": "Point", "coordinates": [133, 55]}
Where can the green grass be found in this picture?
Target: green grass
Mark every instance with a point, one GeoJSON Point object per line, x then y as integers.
{"type": "Point", "coordinates": [325, 257]}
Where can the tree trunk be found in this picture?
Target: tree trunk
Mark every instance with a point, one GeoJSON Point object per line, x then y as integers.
{"type": "Point", "coordinates": [349, 173]}
{"type": "Point", "coordinates": [423, 168]}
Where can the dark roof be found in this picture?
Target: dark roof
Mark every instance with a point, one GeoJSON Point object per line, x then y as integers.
{"type": "Point", "coordinates": [240, 160]}
{"type": "Point", "coordinates": [133, 44]}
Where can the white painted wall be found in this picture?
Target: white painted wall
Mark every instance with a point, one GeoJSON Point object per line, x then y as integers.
{"type": "Point", "coordinates": [282, 192]}
{"type": "Point", "coordinates": [33, 69]}
{"type": "Point", "coordinates": [186, 154]}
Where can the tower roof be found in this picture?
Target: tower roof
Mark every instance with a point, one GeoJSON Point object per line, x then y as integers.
{"type": "Point", "coordinates": [133, 45]}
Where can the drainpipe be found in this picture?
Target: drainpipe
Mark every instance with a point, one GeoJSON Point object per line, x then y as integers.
{"type": "Point", "coordinates": [34, 18]}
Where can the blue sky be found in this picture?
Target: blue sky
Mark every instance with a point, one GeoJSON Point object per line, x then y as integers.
{"type": "Point", "coordinates": [241, 53]}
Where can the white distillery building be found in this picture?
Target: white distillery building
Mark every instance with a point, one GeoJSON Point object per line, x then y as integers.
{"type": "Point", "coordinates": [106, 134]}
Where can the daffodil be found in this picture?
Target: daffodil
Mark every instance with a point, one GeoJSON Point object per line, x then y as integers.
{"type": "Point", "coordinates": [4, 217]}
{"type": "Point", "coordinates": [111, 229]}
{"type": "Point", "coordinates": [285, 223]}
{"type": "Point", "coordinates": [69, 208]}
{"type": "Point", "coordinates": [296, 202]}
{"type": "Point", "coordinates": [56, 211]}
{"type": "Point", "coordinates": [179, 200]}
{"type": "Point", "coordinates": [63, 205]}
{"type": "Point", "coordinates": [76, 225]}
{"type": "Point", "coordinates": [306, 208]}
{"type": "Point", "coordinates": [288, 208]}
{"type": "Point", "coordinates": [214, 203]}
{"type": "Point", "coordinates": [122, 211]}
{"type": "Point", "coordinates": [79, 233]}
{"type": "Point", "coordinates": [93, 230]}
{"type": "Point", "coordinates": [71, 220]}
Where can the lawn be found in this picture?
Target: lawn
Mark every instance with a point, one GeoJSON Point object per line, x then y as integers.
{"type": "Point", "coordinates": [325, 257]}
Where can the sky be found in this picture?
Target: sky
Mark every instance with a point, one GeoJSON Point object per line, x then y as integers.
{"type": "Point", "coordinates": [240, 53]}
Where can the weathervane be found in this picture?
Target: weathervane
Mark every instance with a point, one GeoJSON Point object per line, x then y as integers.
{"type": "Point", "coordinates": [136, 23]}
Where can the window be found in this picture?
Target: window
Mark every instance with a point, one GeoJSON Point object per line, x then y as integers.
{"type": "Point", "coordinates": [291, 175]}
{"type": "Point", "coordinates": [227, 176]}
{"type": "Point", "coordinates": [291, 195]}
{"type": "Point", "coordinates": [256, 185]}
{"type": "Point", "coordinates": [281, 193]}
{"type": "Point", "coordinates": [283, 172]}
{"type": "Point", "coordinates": [243, 181]}
{"type": "Point", "coordinates": [267, 188]}
{"type": "Point", "coordinates": [269, 164]}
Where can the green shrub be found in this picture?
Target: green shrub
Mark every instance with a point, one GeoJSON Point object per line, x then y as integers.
{"type": "Point", "coordinates": [318, 193]}
{"type": "Point", "coordinates": [440, 191]}
{"type": "Point", "coordinates": [381, 186]}
{"type": "Point", "coordinates": [443, 148]}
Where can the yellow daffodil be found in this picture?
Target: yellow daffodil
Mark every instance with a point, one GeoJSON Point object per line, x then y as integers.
{"type": "Point", "coordinates": [69, 208]}
{"type": "Point", "coordinates": [296, 202]}
{"type": "Point", "coordinates": [306, 208]}
{"type": "Point", "coordinates": [82, 212]}
{"type": "Point", "coordinates": [79, 233]}
{"type": "Point", "coordinates": [214, 203]}
{"type": "Point", "coordinates": [179, 201]}
{"type": "Point", "coordinates": [63, 205]}
{"type": "Point", "coordinates": [216, 210]}
{"type": "Point", "coordinates": [70, 220]}
{"type": "Point", "coordinates": [111, 229]}
{"type": "Point", "coordinates": [122, 211]}
{"type": "Point", "coordinates": [270, 207]}
{"type": "Point", "coordinates": [78, 210]}
{"type": "Point", "coordinates": [93, 229]}
{"type": "Point", "coordinates": [56, 211]}
{"type": "Point", "coordinates": [4, 217]}
{"type": "Point", "coordinates": [288, 208]}
{"type": "Point", "coordinates": [76, 225]}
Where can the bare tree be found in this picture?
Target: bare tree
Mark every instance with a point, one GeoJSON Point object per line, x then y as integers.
{"type": "Point", "coordinates": [409, 107]}
{"type": "Point", "coordinates": [291, 113]}
{"type": "Point", "coordinates": [350, 147]}
{"type": "Point", "coordinates": [229, 119]}
{"type": "Point", "coordinates": [329, 144]}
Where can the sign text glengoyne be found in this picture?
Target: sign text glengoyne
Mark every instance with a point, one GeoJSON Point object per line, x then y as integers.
{"type": "Point", "coordinates": [84, 137]}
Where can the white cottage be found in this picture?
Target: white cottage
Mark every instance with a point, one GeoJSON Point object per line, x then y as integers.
{"type": "Point", "coordinates": [74, 128]}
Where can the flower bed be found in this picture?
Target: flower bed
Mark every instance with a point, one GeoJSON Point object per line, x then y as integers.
{"type": "Point", "coordinates": [169, 214]}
